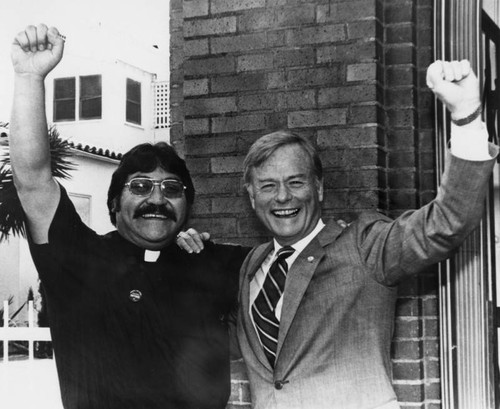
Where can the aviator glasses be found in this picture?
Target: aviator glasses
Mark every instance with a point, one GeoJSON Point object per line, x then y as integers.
{"type": "Point", "coordinates": [170, 188]}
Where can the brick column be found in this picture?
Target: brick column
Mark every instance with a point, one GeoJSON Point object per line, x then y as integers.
{"type": "Point", "coordinates": [410, 147]}
{"type": "Point", "coordinates": [177, 75]}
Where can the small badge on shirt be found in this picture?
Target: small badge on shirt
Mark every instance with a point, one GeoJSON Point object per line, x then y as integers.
{"type": "Point", "coordinates": [135, 296]}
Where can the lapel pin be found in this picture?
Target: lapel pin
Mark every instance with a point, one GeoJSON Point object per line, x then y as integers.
{"type": "Point", "coordinates": [310, 259]}
{"type": "Point", "coordinates": [135, 295]}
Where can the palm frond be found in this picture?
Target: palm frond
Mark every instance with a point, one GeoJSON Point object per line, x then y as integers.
{"type": "Point", "coordinates": [11, 212]}
{"type": "Point", "coordinates": [60, 151]}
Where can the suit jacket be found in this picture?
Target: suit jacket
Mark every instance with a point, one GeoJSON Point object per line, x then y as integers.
{"type": "Point", "coordinates": [340, 295]}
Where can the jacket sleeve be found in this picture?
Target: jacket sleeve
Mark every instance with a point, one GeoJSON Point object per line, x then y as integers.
{"type": "Point", "coordinates": [234, 257]}
{"type": "Point", "coordinates": [393, 250]}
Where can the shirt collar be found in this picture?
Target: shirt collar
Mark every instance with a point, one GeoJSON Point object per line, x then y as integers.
{"type": "Point", "coordinates": [302, 243]}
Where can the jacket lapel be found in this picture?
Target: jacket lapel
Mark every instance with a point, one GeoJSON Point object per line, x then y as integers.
{"type": "Point", "coordinates": [300, 275]}
{"type": "Point", "coordinates": [252, 337]}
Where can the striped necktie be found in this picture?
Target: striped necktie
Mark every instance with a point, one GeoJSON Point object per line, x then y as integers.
{"type": "Point", "coordinates": [264, 305]}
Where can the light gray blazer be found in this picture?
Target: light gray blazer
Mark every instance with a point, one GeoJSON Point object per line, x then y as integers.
{"type": "Point", "coordinates": [340, 295]}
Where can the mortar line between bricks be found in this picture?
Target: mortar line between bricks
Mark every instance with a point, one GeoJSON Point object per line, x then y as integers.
{"type": "Point", "coordinates": [409, 382]}
{"type": "Point", "coordinates": [418, 405]}
{"type": "Point", "coordinates": [406, 361]}
{"type": "Point", "coordinates": [416, 339]}
{"type": "Point", "coordinates": [426, 381]}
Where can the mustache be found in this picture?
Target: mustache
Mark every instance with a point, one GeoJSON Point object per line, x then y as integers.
{"type": "Point", "coordinates": [155, 209]}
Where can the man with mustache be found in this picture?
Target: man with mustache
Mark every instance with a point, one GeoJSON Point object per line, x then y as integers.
{"type": "Point", "coordinates": [136, 322]}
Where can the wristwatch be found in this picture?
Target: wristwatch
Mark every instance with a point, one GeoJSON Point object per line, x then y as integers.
{"type": "Point", "coordinates": [468, 119]}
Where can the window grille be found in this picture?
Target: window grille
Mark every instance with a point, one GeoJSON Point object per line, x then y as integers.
{"type": "Point", "coordinates": [467, 333]}
{"type": "Point", "coordinates": [162, 112]}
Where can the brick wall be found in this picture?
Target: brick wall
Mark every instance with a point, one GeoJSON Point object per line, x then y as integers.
{"type": "Point", "coordinates": [350, 74]}
{"type": "Point", "coordinates": [411, 183]}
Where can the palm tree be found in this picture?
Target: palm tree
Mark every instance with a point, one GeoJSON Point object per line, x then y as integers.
{"type": "Point", "coordinates": [11, 212]}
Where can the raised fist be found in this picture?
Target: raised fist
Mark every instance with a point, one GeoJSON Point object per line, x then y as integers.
{"type": "Point", "coordinates": [456, 85]}
{"type": "Point", "coordinates": [37, 50]}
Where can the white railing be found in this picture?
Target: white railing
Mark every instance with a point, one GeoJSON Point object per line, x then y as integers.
{"type": "Point", "coordinates": [29, 333]}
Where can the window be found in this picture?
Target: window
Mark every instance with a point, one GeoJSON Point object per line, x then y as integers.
{"type": "Point", "coordinates": [90, 97]}
{"type": "Point", "coordinates": [88, 94]}
{"type": "Point", "coordinates": [64, 99]}
{"type": "Point", "coordinates": [133, 109]}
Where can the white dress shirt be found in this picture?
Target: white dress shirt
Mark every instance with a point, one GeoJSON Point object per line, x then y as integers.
{"type": "Point", "coordinates": [470, 142]}
{"type": "Point", "coordinates": [260, 276]}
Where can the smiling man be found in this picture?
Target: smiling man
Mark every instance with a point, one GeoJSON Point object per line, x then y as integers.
{"type": "Point", "coordinates": [136, 322]}
{"type": "Point", "coordinates": [317, 303]}
{"type": "Point", "coordinates": [290, 174]}
{"type": "Point", "coordinates": [137, 198]}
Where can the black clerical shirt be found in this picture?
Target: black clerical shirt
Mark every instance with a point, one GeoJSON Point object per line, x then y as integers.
{"type": "Point", "coordinates": [128, 333]}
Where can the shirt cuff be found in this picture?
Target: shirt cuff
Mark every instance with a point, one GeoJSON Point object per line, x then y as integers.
{"type": "Point", "coordinates": [470, 142]}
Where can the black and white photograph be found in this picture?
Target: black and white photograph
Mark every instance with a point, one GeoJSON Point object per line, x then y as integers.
{"type": "Point", "coordinates": [250, 204]}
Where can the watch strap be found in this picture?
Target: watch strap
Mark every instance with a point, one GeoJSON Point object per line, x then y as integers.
{"type": "Point", "coordinates": [468, 119]}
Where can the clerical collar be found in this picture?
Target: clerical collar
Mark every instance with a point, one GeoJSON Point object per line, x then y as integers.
{"type": "Point", "coordinates": [151, 256]}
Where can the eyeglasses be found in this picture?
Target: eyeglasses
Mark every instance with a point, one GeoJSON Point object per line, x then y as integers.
{"type": "Point", "coordinates": [171, 188]}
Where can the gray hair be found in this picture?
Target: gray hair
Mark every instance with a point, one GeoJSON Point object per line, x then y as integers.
{"type": "Point", "coordinates": [266, 145]}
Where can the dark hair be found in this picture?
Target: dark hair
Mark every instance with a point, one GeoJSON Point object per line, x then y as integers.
{"type": "Point", "coordinates": [266, 145]}
{"type": "Point", "coordinates": [145, 158]}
